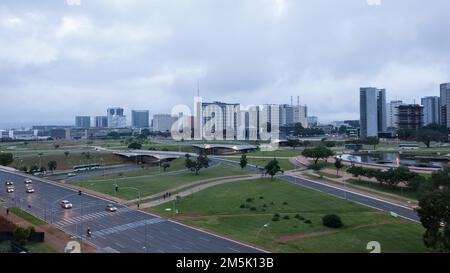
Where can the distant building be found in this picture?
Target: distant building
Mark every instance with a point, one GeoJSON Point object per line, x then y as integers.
{"type": "Point", "coordinates": [352, 123]}
{"type": "Point", "coordinates": [445, 105]}
{"type": "Point", "coordinates": [220, 119]}
{"type": "Point", "coordinates": [163, 122]}
{"type": "Point", "coordinates": [392, 113]}
{"type": "Point", "coordinates": [431, 110]}
{"type": "Point", "coordinates": [140, 118]}
{"type": "Point", "coordinates": [372, 111]}
{"type": "Point", "coordinates": [116, 118]}
{"type": "Point", "coordinates": [58, 133]}
{"type": "Point", "coordinates": [83, 121]}
{"type": "Point", "coordinates": [313, 121]}
{"type": "Point", "coordinates": [410, 117]}
{"type": "Point", "coordinates": [101, 122]}
{"type": "Point", "coordinates": [23, 134]}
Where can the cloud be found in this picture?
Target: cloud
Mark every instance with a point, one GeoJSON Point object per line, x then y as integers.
{"type": "Point", "coordinates": [62, 60]}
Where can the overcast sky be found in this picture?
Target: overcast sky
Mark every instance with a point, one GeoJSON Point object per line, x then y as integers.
{"type": "Point", "coordinates": [59, 60]}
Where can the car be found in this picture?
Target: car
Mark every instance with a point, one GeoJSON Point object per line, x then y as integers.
{"type": "Point", "coordinates": [71, 174]}
{"type": "Point", "coordinates": [30, 190]}
{"type": "Point", "coordinates": [66, 204]}
{"type": "Point", "coordinates": [111, 208]}
{"type": "Point", "coordinates": [9, 183]}
{"type": "Point", "coordinates": [10, 189]}
{"type": "Point", "coordinates": [28, 181]}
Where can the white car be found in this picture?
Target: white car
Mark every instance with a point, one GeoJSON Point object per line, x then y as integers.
{"type": "Point", "coordinates": [30, 190]}
{"type": "Point", "coordinates": [9, 183]}
{"type": "Point", "coordinates": [71, 174]}
{"type": "Point", "coordinates": [28, 181]}
{"type": "Point", "coordinates": [66, 204]}
{"type": "Point", "coordinates": [10, 189]}
{"type": "Point", "coordinates": [111, 208]}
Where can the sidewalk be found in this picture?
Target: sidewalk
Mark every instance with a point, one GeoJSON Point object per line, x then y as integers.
{"type": "Point", "coordinates": [198, 188]}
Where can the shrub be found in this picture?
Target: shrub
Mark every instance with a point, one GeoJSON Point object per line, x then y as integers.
{"type": "Point", "coordinates": [276, 218]}
{"type": "Point", "coordinates": [287, 217]}
{"type": "Point", "coordinates": [242, 206]}
{"type": "Point", "coordinates": [272, 203]}
{"type": "Point", "coordinates": [285, 203]}
{"type": "Point", "coordinates": [276, 215]}
{"type": "Point", "coordinates": [261, 197]}
{"type": "Point", "coordinates": [253, 208]}
{"type": "Point", "coordinates": [332, 221]}
{"type": "Point", "coordinates": [249, 200]}
{"type": "Point", "coordinates": [264, 206]}
{"type": "Point", "coordinates": [307, 222]}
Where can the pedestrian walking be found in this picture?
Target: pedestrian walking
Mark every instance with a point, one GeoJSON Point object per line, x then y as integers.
{"type": "Point", "coordinates": [7, 211]}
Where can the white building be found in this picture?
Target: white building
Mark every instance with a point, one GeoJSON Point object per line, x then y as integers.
{"type": "Point", "coordinates": [116, 118]}
{"type": "Point", "coordinates": [392, 113]}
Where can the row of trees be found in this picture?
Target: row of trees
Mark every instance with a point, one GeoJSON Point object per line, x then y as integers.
{"type": "Point", "coordinates": [426, 135]}
{"type": "Point", "coordinates": [391, 177]}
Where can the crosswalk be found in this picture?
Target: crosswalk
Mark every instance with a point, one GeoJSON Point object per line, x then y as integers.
{"type": "Point", "coordinates": [88, 217]}
{"type": "Point", "coordinates": [132, 225]}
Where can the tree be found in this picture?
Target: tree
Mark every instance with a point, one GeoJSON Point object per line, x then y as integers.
{"type": "Point", "coordinates": [21, 235]}
{"type": "Point", "coordinates": [332, 221]}
{"type": "Point", "coordinates": [6, 159]}
{"type": "Point", "coordinates": [371, 141]}
{"type": "Point", "coordinates": [165, 166]}
{"type": "Point", "coordinates": [338, 165]}
{"type": "Point", "coordinates": [135, 146]}
{"type": "Point", "coordinates": [56, 146]}
{"type": "Point", "coordinates": [405, 134]}
{"type": "Point", "coordinates": [145, 132]}
{"type": "Point", "coordinates": [356, 171]}
{"type": "Point", "coordinates": [196, 165]}
{"type": "Point", "coordinates": [66, 153]}
{"type": "Point", "coordinates": [52, 165]}
{"type": "Point", "coordinates": [428, 135]}
{"type": "Point", "coordinates": [319, 152]}
{"type": "Point", "coordinates": [114, 135]}
{"type": "Point", "coordinates": [243, 162]}
{"type": "Point", "coordinates": [434, 211]}
{"type": "Point", "coordinates": [272, 168]}
{"type": "Point", "coordinates": [293, 143]}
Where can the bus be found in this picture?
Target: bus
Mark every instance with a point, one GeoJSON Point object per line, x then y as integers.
{"type": "Point", "coordinates": [408, 146]}
{"type": "Point", "coordinates": [86, 167]}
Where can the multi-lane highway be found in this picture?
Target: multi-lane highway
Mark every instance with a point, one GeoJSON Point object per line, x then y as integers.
{"type": "Point", "coordinates": [125, 230]}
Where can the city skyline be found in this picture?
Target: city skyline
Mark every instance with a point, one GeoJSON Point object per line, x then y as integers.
{"type": "Point", "coordinates": [72, 55]}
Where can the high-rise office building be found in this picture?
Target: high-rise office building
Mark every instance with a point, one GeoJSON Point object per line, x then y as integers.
{"type": "Point", "coordinates": [139, 118]}
{"type": "Point", "coordinates": [163, 122]}
{"type": "Point", "coordinates": [392, 113]}
{"type": "Point", "coordinates": [430, 110]}
{"type": "Point", "coordinates": [220, 119]}
{"type": "Point", "coordinates": [445, 105]}
{"type": "Point", "coordinates": [116, 118]}
{"type": "Point", "coordinates": [410, 117]}
{"type": "Point", "coordinates": [83, 121]}
{"type": "Point", "coordinates": [101, 121]}
{"type": "Point", "coordinates": [372, 111]}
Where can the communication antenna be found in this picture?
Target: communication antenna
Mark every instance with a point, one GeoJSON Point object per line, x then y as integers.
{"type": "Point", "coordinates": [198, 88]}
{"type": "Point", "coordinates": [292, 101]}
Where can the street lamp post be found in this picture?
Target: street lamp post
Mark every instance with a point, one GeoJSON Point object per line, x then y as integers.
{"type": "Point", "coordinates": [259, 231]}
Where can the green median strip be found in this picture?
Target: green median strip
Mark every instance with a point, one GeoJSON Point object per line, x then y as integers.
{"type": "Point", "coordinates": [26, 216]}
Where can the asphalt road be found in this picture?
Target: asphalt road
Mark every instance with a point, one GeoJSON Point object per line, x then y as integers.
{"type": "Point", "coordinates": [126, 230]}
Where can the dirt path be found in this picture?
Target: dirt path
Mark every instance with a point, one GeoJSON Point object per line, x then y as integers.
{"type": "Point", "coordinates": [300, 236]}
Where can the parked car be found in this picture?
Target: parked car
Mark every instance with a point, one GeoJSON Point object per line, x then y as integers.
{"type": "Point", "coordinates": [66, 204]}
{"type": "Point", "coordinates": [9, 183]}
{"type": "Point", "coordinates": [28, 181]}
{"type": "Point", "coordinates": [111, 208]}
{"type": "Point", "coordinates": [30, 190]}
{"type": "Point", "coordinates": [71, 174]}
{"type": "Point", "coordinates": [10, 189]}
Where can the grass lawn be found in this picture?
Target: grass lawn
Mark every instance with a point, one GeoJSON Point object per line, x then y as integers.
{"type": "Point", "coordinates": [277, 153]}
{"type": "Point", "coordinates": [26, 216]}
{"type": "Point", "coordinates": [175, 165]}
{"type": "Point", "coordinates": [261, 162]}
{"type": "Point", "coordinates": [223, 214]}
{"type": "Point", "coordinates": [73, 159]}
{"type": "Point", "coordinates": [159, 183]}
